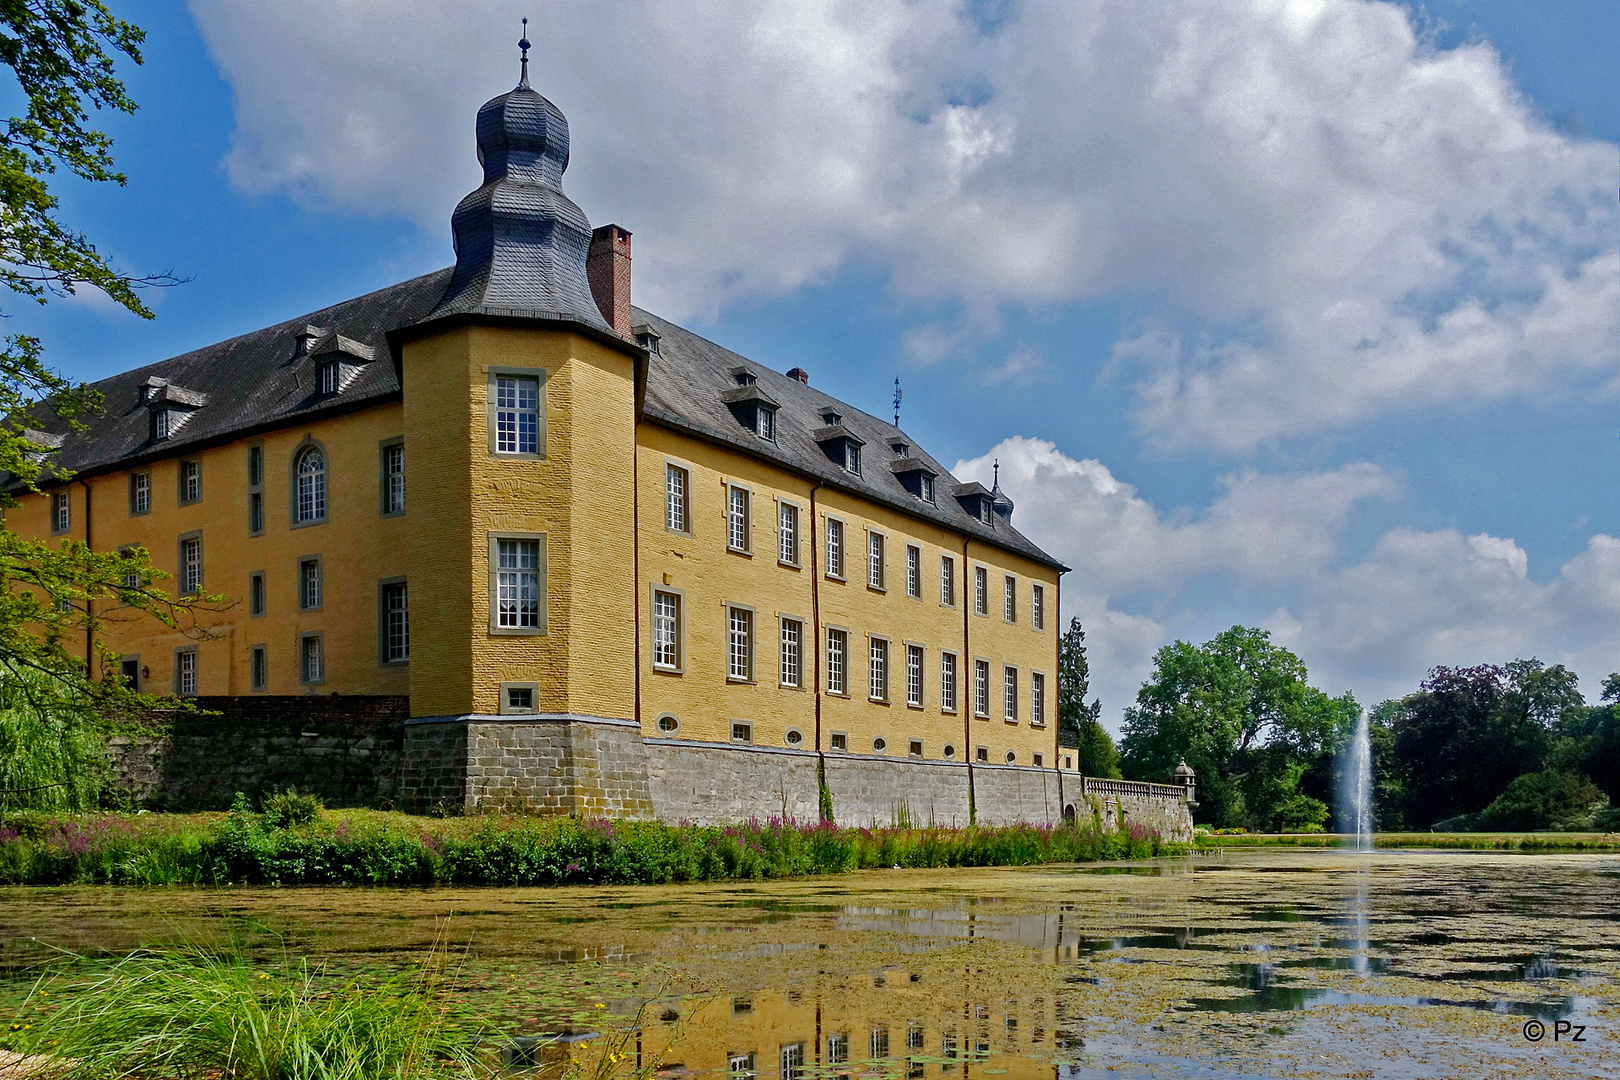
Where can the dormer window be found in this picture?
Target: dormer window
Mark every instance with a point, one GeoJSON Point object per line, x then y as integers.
{"type": "Point", "coordinates": [852, 456]}
{"type": "Point", "coordinates": [648, 340]}
{"type": "Point", "coordinates": [926, 488]}
{"type": "Point", "coordinates": [765, 422]}
{"type": "Point", "coordinates": [744, 377]}
{"type": "Point", "coordinates": [984, 511]}
{"type": "Point", "coordinates": [900, 448]}
{"type": "Point", "coordinates": [164, 423]}
{"type": "Point", "coordinates": [146, 394]}
{"type": "Point", "coordinates": [331, 378]}
{"type": "Point", "coordinates": [831, 419]}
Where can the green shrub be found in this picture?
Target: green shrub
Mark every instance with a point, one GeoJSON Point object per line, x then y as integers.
{"type": "Point", "coordinates": [1545, 801]}
{"type": "Point", "coordinates": [52, 757]}
{"type": "Point", "coordinates": [291, 808]}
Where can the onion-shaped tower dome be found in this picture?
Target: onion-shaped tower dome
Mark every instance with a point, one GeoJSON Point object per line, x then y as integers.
{"type": "Point", "coordinates": [521, 244]}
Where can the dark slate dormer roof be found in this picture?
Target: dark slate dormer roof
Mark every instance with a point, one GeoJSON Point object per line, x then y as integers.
{"type": "Point", "coordinates": [335, 346]}
{"type": "Point", "coordinates": [521, 244]}
{"type": "Point", "coordinates": [687, 386]}
{"type": "Point", "coordinates": [169, 394]}
{"type": "Point", "coordinates": [910, 464]}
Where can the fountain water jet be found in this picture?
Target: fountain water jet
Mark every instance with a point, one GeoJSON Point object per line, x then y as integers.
{"type": "Point", "coordinates": [1355, 804]}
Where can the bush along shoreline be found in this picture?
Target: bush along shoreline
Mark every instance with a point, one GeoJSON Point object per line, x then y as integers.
{"type": "Point", "coordinates": [294, 842]}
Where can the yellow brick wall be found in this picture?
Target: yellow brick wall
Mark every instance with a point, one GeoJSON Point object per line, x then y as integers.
{"type": "Point", "coordinates": [578, 495]}
{"type": "Point", "coordinates": [710, 578]}
{"type": "Point", "coordinates": [357, 547]}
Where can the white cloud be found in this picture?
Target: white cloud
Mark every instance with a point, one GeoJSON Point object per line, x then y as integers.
{"type": "Point", "coordinates": [1329, 219]}
{"type": "Point", "coordinates": [1374, 625]}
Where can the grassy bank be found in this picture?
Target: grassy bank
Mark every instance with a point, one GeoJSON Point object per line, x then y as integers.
{"type": "Point", "coordinates": [1547, 841]}
{"type": "Point", "coordinates": [367, 847]}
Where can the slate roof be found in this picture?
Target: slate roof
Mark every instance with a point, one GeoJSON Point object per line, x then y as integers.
{"type": "Point", "coordinates": [256, 382]}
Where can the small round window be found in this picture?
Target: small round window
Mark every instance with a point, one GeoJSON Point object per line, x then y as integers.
{"type": "Point", "coordinates": [949, 751]}
{"type": "Point", "coordinates": [668, 724]}
{"type": "Point", "coordinates": [880, 744]}
{"type": "Point", "coordinates": [1011, 757]}
{"type": "Point", "coordinates": [795, 737]}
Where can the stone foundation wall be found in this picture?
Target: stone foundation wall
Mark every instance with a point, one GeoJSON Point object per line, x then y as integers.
{"type": "Point", "coordinates": [712, 783]}
{"type": "Point", "coordinates": [344, 749]}
{"type": "Point", "coordinates": [1008, 794]}
{"type": "Point", "coordinates": [872, 792]}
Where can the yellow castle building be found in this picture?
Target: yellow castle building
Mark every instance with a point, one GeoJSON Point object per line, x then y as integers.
{"type": "Point", "coordinates": [581, 559]}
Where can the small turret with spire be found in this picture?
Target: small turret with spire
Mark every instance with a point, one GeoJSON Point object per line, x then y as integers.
{"type": "Point", "coordinates": [999, 502]}
{"type": "Point", "coordinates": [521, 244]}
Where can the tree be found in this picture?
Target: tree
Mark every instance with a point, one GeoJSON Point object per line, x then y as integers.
{"type": "Point", "coordinates": [1468, 732]}
{"type": "Point", "coordinates": [62, 54]}
{"type": "Point", "coordinates": [1080, 724]}
{"type": "Point", "coordinates": [1239, 710]}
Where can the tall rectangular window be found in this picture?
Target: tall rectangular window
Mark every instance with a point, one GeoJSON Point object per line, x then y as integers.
{"type": "Point", "coordinates": [787, 533]}
{"type": "Point", "coordinates": [259, 667]}
{"type": "Point", "coordinates": [396, 623]}
{"type": "Point", "coordinates": [255, 490]}
{"type": "Point", "coordinates": [517, 584]}
{"type": "Point", "coordinates": [835, 548]}
{"type": "Point", "coordinates": [309, 584]}
{"type": "Point", "coordinates": [393, 479]}
{"type": "Point", "coordinates": [61, 512]}
{"type": "Point", "coordinates": [677, 481]}
{"type": "Point", "coordinates": [1037, 607]}
{"type": "Point", "coordinates": [793, 1061]}
{"type": "Point", "coordinates": [981, 591]}
{"type": "Point", "coordinates": [947, 681]}
{"type": "Point", "coordinates": [185, 672]}
{"type": "Point", "coordinates": [255, 466]}
{"type": "Point", "coordinates": [517, 414]}
{"type": "Point", "coordinates": [878, 670]}
{"type": "Point", "coordinates": [1009, 693]}
{"type": "Point", "coordinates": [309, 659]}
{"type": "Point", "coordinates": [874, 560]}
{"type": "Point", "coordinates": [191, 568]}
{"type": "Point", "coordinates": [913, 571]}
{"type": "Point", "coordinates": [140, 493]}
{"type": "Point", "coordinates": [981, 688]}
{"type": "Point", "coordinates": [255, 512]}
{"type": "Point", "coordinates": [190, 481]}
{"type": "Point", "coordinates": [838, 1048]}
{"type": "Point", "coordinates": [256, 597]}
{"type": "Point", "coordinates": [914, 675]}
{"type": "Point", "coordinates": [947, 581]}
{"type": "Point", "coordinates": [837, 661]}
{"type": "Point", "coordinates": [1037, 699]}
{"type": "Point", "coordinates": [737, 530]}
{"type": "Point", "coordinates": [666, 628]}
{"type": "Point", "coordinates": [1009, 598]}
{"type": "Point", "coordinates": [792, 652]}
{"type": "Point", "coordinates": [740, 644]}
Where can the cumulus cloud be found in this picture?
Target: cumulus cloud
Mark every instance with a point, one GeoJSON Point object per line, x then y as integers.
{"type": "Point", "coordinates": [1325, 218]}
{"type": "Point", "coordinates": [1372, 623]}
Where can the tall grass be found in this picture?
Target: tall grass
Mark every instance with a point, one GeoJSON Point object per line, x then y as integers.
{"type": "Point", "coordinates": [377, 848]}
{"type": "Point", "coordinates": [187, 1013]}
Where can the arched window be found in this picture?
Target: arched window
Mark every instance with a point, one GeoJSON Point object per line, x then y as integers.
{"type": "Point", "coordinates": [311, 477]}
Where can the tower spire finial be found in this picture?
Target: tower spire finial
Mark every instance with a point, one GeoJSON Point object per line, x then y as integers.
{"type": "Point", "coordinates": [995, 484]}
{"type": "Point", "coordinates": [523, 43]}
{"type": "Point", "coordinates": [897, 396]}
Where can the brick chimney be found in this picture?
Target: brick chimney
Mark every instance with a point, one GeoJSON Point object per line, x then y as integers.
{"type": "Point", "coordinates": [608, 268]}
{"type": "Point", "coordinates": [800, 374]}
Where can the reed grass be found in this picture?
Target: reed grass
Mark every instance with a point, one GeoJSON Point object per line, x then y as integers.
{"type": "Point", "coordinates": [1545, 841]}
{"type": "Point", "coordinates": [363, 847]}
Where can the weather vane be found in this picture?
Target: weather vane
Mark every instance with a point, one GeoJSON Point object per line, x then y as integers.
{"type": "Point", "coordinates": [898, 393]}
{"type": "Point", "coordinates": [523, 43]}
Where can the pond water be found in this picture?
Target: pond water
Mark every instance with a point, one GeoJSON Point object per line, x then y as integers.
{"type": "Point", "coordinates": [1252, 964]}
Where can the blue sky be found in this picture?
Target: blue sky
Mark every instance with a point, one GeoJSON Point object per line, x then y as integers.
{"type": "Point", "coordinates": [1264, 308]}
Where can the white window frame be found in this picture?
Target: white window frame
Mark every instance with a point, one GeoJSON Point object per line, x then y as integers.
{"type": "Point", "coordinates": [140, 493]}
{"type": "Point", "coordinates": [509, 436]}
{"type": "Point", "coordinates": [916, 656]}
{"type": "Point", "coordinates": [668, 633]}
{"type": "Point", "coordinates": [188, 472]}
{"type": "Point", "coordinates": [739, 519]}
{"type": "Point", "coordinates": [838, 661]}
{"type": "Point", "coordinates": [391, 618]}
{"type": "Point", "coordinates": [1037, 606]}
{"type": "Point", "coordinates": [677, 498]}
{"type": "Point", "coordinates": [391, 474]}
{"type": "Point", "coordinates": [309, 488]}
{"type": "Point", "coordinates": [506, 707]}
{"type": "Point", "coordinates": [947, 581]}
{"type": "Point", "coordinates": [788, 516]}
{"type": "Point", "coordinates": [741, 643]}
{"type": "Point", "coordinates": [836, 538]}
{"type": "Point", "coordinates": [515, 576]}
{"type": "Point", "coordinates": [311, 674]}
{"type": "Point", "coordinates": [191, 563]}
{"type": "Point", "coordinates": [1037, 699]}
{"type": "Point", "coordinates": [1009, 693]}
{"type": "Point", "coordinates": [187, 671]}
{"type": "Point", "coordinates": [914, 571]}
{"type": "Point", "coordinates": [877, 668]}
{"type": "Point", "coordinates": [790, 639]}
{"type": "Point", "coordinates": [981, 590]}
{"type": "Point", "coordinates": [311, 589]}
{"type": "Point", "coordinates": [876, 559]}
{"type": "Point", "coordinates": [981, 688]}
{"type": "Point", "coordinates": [1009, 599]}
{"type": "Point", "coordinates": [949, 673]}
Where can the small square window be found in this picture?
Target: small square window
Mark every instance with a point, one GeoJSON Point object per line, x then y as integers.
{"type": "Point", "coordinates": [1039, 760]}
{"type": "Point", "coordinates": [982, 753]}
{"type": "Point", "coordinates": [915, 748]}
{"type": "Point", "coordinates": [839, 740]}
{"type": "Point", "coordinates": [519, 698]}
{"type": "Point", "coordinates": [741, 732]}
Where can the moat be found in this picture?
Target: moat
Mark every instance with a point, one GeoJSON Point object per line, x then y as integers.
{"type": "Point", "coordinates": [1251, 964]}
